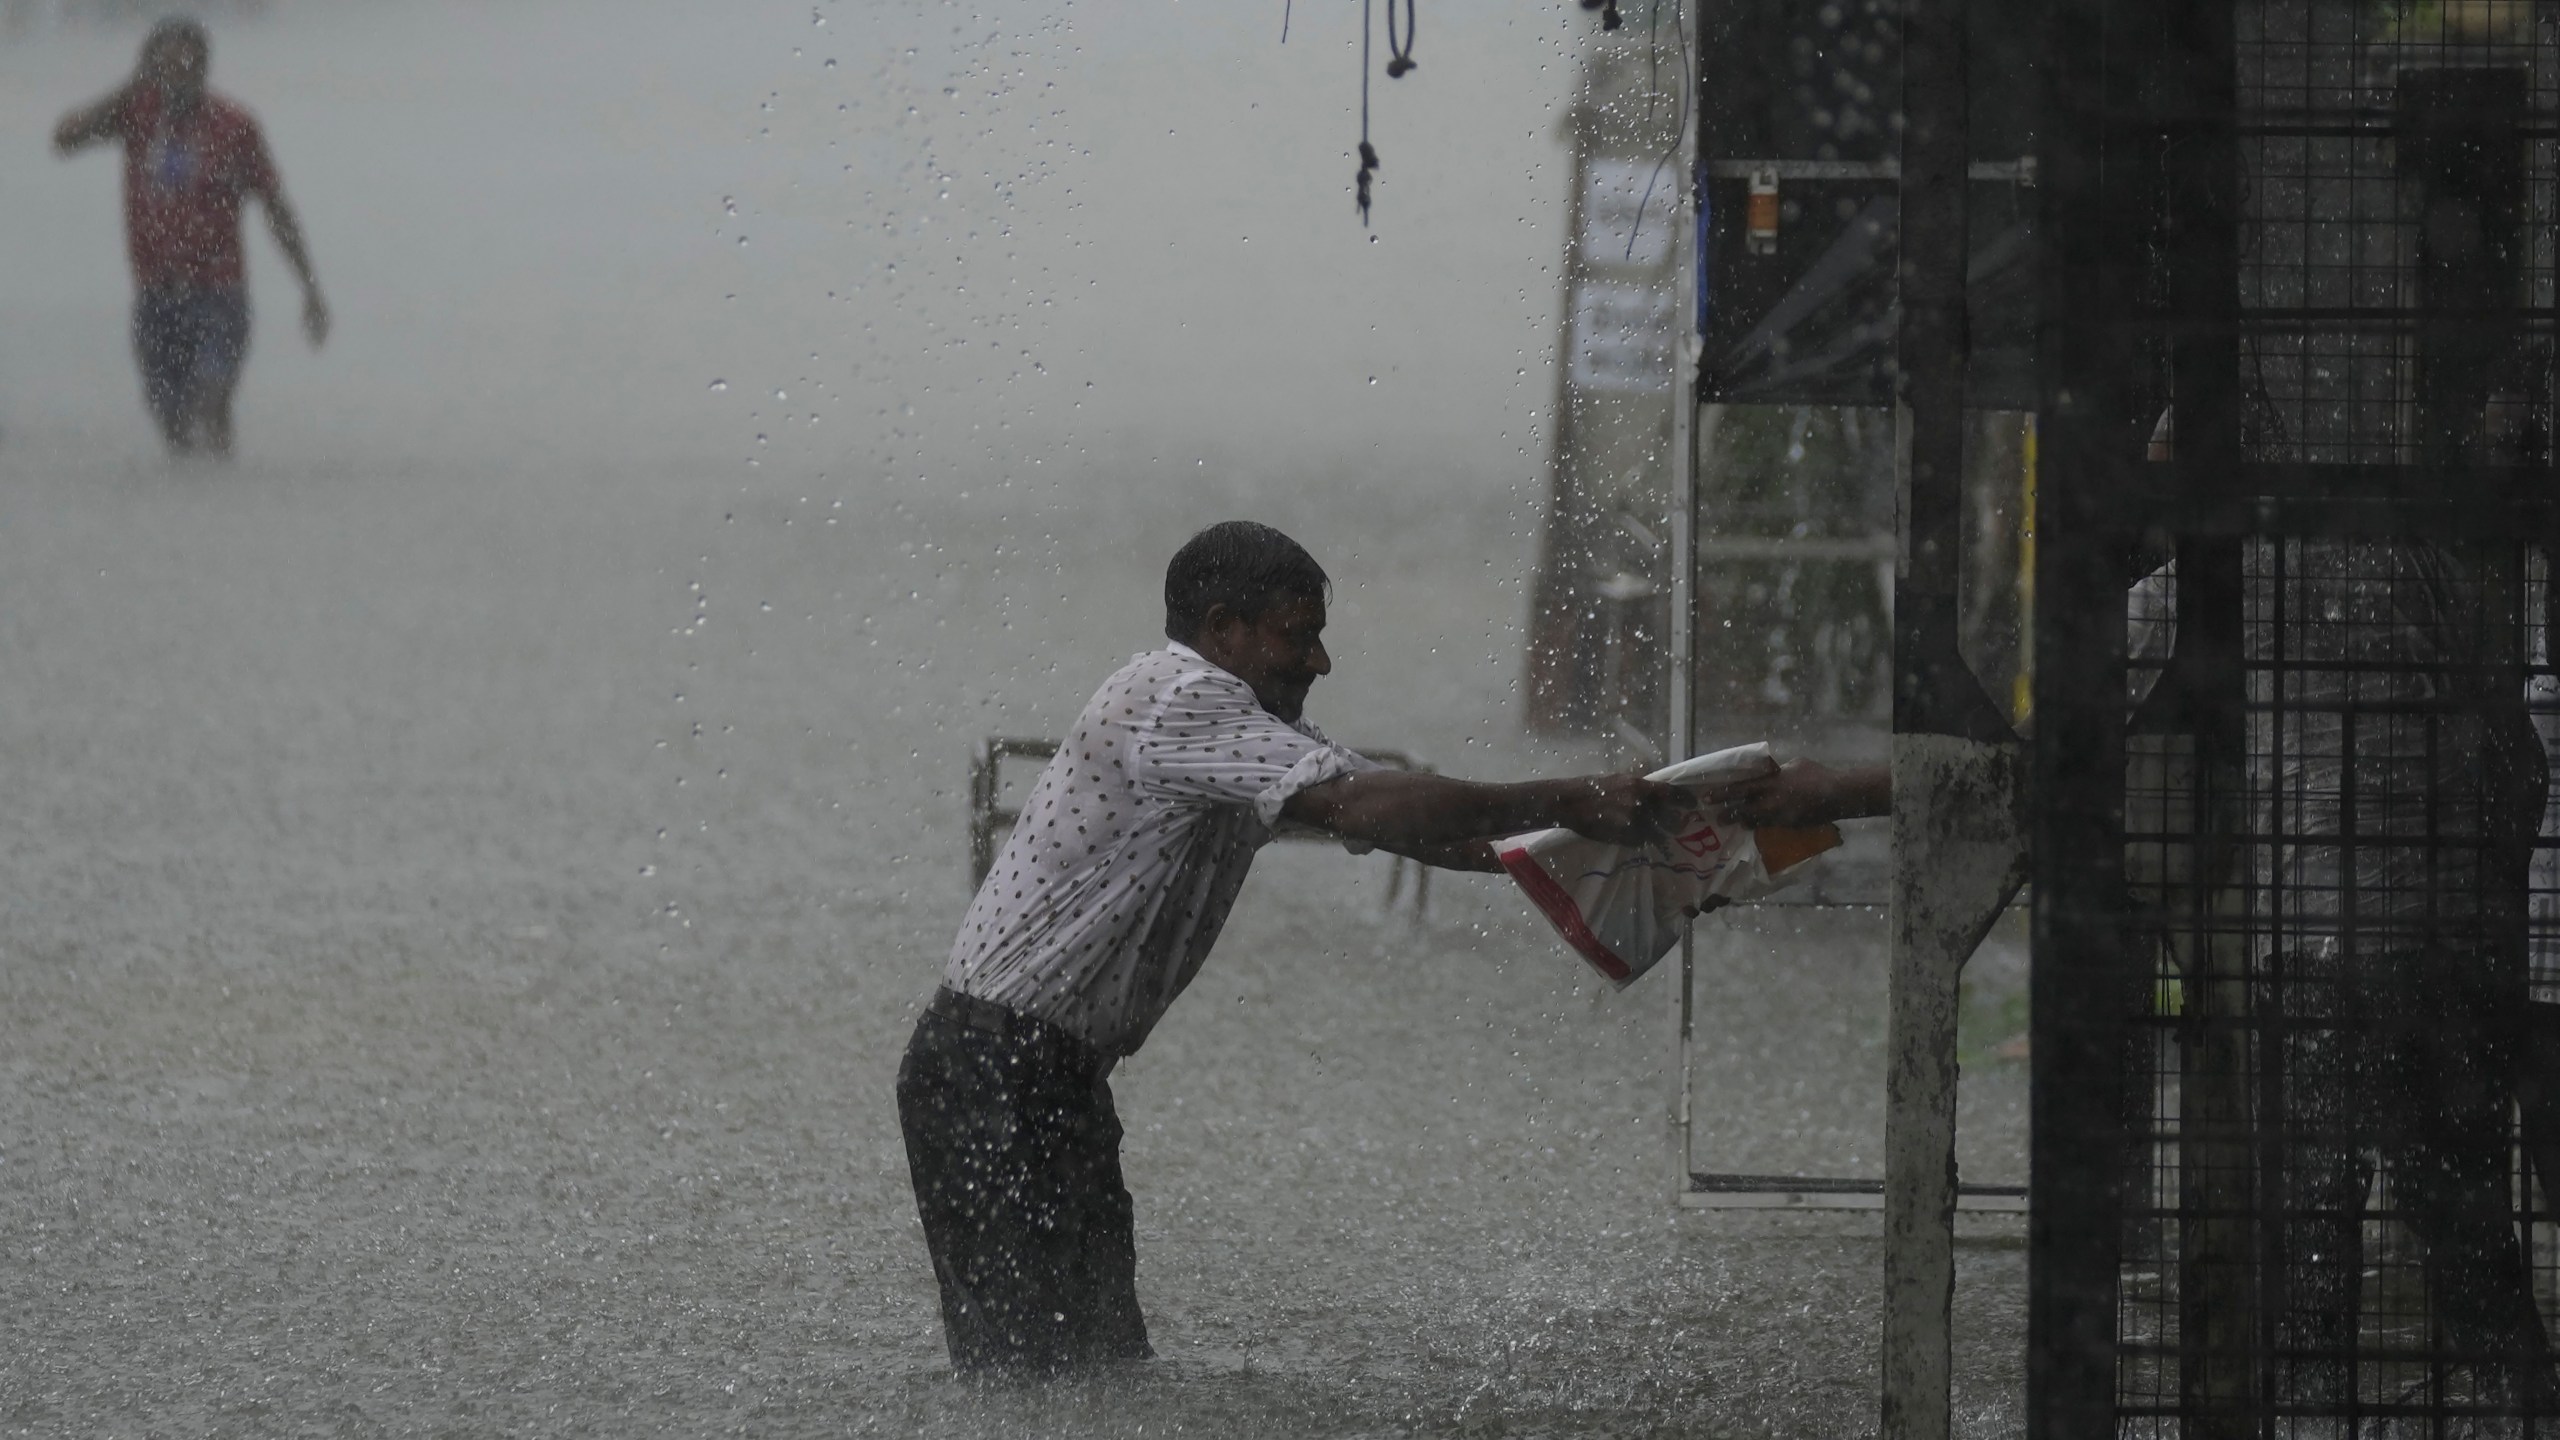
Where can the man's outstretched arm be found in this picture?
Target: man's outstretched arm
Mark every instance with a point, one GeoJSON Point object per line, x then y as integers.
{"type": "Point", "coordinates": [1808, 792]}
{"type": "Point", "coordinates": [1458, 855]}
{"type": "Point", "coordinates": [90, 124]}
{"type": "Point", "coordinates": [1448, 822]}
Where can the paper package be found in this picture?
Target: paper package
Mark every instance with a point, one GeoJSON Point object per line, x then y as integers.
{"type": "Point", "coordinates": [1624, 907]}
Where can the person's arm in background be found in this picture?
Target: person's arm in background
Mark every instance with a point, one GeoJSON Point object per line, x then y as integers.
{"type": "Point", "coordinates": [1449, 823]}
{"type": "Point", "coordinates": [93, 123]}
{"type": "Point", "coordinates": [1808, 792]}
{"type": "Point", "coordinates": [286, 226]}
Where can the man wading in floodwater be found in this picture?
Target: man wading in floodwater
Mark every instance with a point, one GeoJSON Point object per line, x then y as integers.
{"type": "Point", "coordinates": [1104, 902]}
{"type": "Point", "coordinates": [190, 156]}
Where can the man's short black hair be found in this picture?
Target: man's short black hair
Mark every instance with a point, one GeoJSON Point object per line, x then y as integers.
{"type": "Point", "coordinates": [1243, 565]}
{"type": "Point", "coordinates": [179, 30]}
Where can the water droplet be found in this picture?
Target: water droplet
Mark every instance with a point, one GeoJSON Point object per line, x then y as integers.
{"type": "Point", "coordinates": [719, 384]}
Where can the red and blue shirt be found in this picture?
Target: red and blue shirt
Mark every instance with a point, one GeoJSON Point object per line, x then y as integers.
{"type": "Point", "coordinates": [184, 176]}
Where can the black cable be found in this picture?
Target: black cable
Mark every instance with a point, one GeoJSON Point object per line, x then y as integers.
{"type": "Point", "coordinates": [1652, 60]}
{"type": "Point", "coordinates": [1284, 21]}
{"type": "Point", "coordinates": [1403, 62]}
{"type": "Point", "coordinates": [1368, 152]}
{"type": "Point", "coordinates": [1400, 65]}
{"type": "Point", "coordinates": [1679, 131]}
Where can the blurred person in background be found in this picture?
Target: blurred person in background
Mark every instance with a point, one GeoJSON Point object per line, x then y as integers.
{"type": "Point", "coordinates": [190, 157]}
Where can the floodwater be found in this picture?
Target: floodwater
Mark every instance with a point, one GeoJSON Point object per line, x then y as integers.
{"type": "Point", "coordinates": [471, 864]}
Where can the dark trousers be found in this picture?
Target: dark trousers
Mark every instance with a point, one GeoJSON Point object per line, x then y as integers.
{"type": "Point", "coordinates": [189, 344]}
{"type": "Point", "coordinates": [1014, 1148]}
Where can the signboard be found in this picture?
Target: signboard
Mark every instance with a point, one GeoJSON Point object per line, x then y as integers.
{"type": "Point", "coordinates": [1596, 652]}
{"type": "Point", "coordinates": [1620, 338]}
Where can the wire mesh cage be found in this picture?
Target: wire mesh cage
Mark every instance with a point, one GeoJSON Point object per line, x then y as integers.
{"type": "Point", "coordinates": [2298, 941]}
{"type": "Point", "coordinates": [2330, 1213]}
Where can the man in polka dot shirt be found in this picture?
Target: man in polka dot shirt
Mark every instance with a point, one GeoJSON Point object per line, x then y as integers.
{"type": "Point", "coordinates": [1100, 909]}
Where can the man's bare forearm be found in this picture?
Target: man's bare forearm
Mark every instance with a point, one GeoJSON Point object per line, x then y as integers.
{"type": "Point", "coordinates": [286, 227]}
{"type": "Point", "coordinates": [89, 124]}
{"type": "Point", "coordinates": [1807, 792]}
{"type": "Point", "coordinates": [1457, 855]}
{"type": "Point", "coordinates": [1864, 792]}
{"type": "Point", "coordinates": [1407, 812]}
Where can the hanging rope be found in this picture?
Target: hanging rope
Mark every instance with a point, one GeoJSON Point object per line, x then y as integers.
{"type": "Point", "coordinates": [1399, 66]}
{"type": "Point", "coordinates": [1368, 152]}
{"type": "Point", "coordinates": [1402, 50]}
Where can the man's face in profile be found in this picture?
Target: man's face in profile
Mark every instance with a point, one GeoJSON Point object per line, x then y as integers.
{"type": "Point", "coordinates": [175, 66]}
{"type": "Point", "coordinates": [1279, 653]}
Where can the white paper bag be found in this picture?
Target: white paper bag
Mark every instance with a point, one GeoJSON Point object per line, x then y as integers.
{"type": "Point", "coordinates": [1623, 907]}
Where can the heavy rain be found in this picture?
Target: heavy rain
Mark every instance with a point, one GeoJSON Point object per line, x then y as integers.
{"type": "Point", "coordinates": [477, 852]}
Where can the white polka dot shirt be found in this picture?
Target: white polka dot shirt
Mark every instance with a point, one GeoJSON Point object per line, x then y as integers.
{"type": "Point", "coordinates": [1131, 848]}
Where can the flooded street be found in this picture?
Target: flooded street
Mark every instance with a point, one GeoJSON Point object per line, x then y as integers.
{"type": "Point", "coordinates": [473, 863]}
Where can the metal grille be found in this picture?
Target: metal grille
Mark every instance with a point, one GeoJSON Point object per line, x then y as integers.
{"type": "Point", "coordinates": [2354, 122]}
{"type": "Point", "coordinates": [2330, 1225]}
{"type": "Point", "coordinates": [2310, 987]}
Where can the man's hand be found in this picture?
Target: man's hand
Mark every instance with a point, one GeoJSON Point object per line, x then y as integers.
{"type": "Point", "coordinates": [1622, 809]}
{"type": "Point", "coordinates": [1805, 792]}
{"type": "Point", "coordinates": [315, 317]}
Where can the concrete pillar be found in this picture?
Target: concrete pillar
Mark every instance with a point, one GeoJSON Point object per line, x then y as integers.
{"type": "Point", "coordinates": [1959, 859]}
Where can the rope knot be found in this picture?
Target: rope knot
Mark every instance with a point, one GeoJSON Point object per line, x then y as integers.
{"type": "Point", "coordinates": [1402, 49]}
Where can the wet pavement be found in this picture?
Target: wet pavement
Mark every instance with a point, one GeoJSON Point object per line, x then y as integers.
{"type": "Point", "coordinates": [471, 865]}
